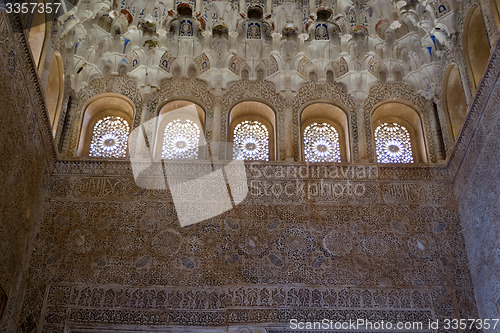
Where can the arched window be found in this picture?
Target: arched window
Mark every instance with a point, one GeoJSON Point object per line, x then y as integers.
{"type": "Point", "coordinates": [393, 144]}
{"type": "Point", "coordinates": [321, 143]}
{"type": "Point", "coordinates": [105, 126]}
{"type": "Point", "coordinates": [398, 133]}
{"type": "Point", "coordinates": [109, 137]}
{"type": "Point", "coordinates": [251, 130]}
{"type": "Point", "coordinates": [181, 140]}
{"type": "Point", "coordinates": [476, 46]}
{"type": "Point", "coordinates": [325, 133]}
{"type": "Point", "coordinates": [251, 141]}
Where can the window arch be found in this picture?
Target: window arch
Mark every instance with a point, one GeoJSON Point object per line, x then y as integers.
{"type": "Point", "coordinates": [55, 91]}
{"type": "Point", "coordinates": [180, 130]}
{"type": "Point", "coordinates": [105, 126]}
{"type": "Point", "coordinates": [325, 133]}
{"type": "Point", "coordinates": [454, 100]}
{"type": "Point", "coordinates": [398, 133]}
{"type": "Point", "coordinates": [393, 144]}
{"type": "Point", "coordinates": [476, 46]}
{"type": "Point", "coordinates": [251, 131]}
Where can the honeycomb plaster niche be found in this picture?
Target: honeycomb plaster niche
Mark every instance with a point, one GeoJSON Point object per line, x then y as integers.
{"type": "Point", "coordinates": [364, 48]}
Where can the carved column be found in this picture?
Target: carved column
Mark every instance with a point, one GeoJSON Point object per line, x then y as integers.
{"type": "Point", "coordinates": [489, 20]}
{"type": "Point", "coordinates": [207, 38]}
{"type": "Point", "coordinates": [462, 66]}
{"type": "Point", "coordinates": [169, 4]}
{"type": "Point", "coordinates": [276, 44]}
{"type": "Point", "coordinates": [269, 6]}
{"type": "Point", "coordinates": [448, 140]}
{"type": "Point", "coordinates": [215, 145]}
{"type": "Point", "coordinates": [233, 42]}
{"type": "Point", "coordinates": [439, 130]}
{"type": "Point", "coordinates": [312, 7]}
{"type": "Point", "coordinates": [302, 42]}
{"type": "Point", "coordinates": [363, 154]}
{"type": "Point", "coordinates": [288, 128]}
{"type": "Point", "coordinates": [144, 112]}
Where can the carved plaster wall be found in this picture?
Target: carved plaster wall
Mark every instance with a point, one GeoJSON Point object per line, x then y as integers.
{"type": "Point", "coordinates": [474, 166]}
{"type": "Point", "coordinates": [308, 242]}
{"type": "Point", "coordinates": [25, 156]}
